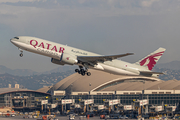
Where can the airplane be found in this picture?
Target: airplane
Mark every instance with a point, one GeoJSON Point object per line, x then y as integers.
{"type": "Point", "coordinates": [63, 54]}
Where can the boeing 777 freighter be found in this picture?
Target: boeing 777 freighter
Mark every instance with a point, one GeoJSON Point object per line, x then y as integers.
{"type": "Point", "coordinates": [62, 54]}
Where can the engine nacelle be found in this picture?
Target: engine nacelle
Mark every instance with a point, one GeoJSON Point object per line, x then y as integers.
{"type": "Point", "coordinates": [56, 61]}
{"type": "Point", "coordinates": [65, 59]}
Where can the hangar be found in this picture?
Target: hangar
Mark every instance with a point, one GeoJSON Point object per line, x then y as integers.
{"type": "Point", "coordinates": [103, 86]}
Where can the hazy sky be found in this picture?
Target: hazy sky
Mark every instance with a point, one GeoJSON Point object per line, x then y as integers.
{"type": "Point", "coordinates": [102, 26]}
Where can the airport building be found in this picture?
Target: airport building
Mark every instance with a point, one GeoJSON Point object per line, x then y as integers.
{"type": "Point", "coordinates": [19, 99]}
{"type": "Point", "coordinates": [98, 89]}
{"type": "Point", "coordinates": [102, 86]}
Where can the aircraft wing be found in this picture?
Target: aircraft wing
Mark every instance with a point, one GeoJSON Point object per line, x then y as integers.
{"type": "Point", "coordinates": [95, 59]}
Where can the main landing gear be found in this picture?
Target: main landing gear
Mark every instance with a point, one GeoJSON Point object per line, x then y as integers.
{"type": "Point", "coordinates": [82, 71]}
{"type": "Point", "coordinates": [21, 54]}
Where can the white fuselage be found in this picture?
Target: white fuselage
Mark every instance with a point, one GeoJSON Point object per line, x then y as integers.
{"type": "Point", "coordinates": [55, 50]}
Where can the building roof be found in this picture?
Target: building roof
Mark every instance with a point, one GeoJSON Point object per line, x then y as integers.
{"type": "Point", "coordinates": [44, 89]}
{"type": "Point", "coordinates": [9, 90]}
{"type": "Point", "coordinates": [102, 81]}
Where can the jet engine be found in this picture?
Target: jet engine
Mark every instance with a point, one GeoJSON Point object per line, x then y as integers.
{"type": "Point", "coordinates": [65, 59]}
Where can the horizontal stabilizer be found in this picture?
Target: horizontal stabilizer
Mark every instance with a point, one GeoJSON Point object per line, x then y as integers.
{"type": "Point", "coordinates": [150, 73]}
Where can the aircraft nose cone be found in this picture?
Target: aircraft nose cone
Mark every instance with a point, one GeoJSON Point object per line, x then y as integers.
{"type": "Point", "coordinates": [12, 40]}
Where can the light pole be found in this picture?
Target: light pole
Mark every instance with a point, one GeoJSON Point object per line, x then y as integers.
{"type": "Point", "coordinates": [52, 93]}
{"type": "Point", "coordinates": [116, 88]}
{"type": "Point", "coordinates": [143, 98]}
{"type": "Point", "coordinates": [89, 89]}
{"type": "Point", "coordinates": [71, 89]}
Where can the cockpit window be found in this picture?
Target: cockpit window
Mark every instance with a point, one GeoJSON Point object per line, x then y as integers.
{"type": "Point", "coordinates": [16, 37]}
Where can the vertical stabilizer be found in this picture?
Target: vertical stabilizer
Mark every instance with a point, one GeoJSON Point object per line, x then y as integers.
{"type": "Point", "coordinates": [150, 60]}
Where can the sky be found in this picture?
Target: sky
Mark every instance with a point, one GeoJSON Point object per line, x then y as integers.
{"type": "Point", "coordinates": [105, 27]}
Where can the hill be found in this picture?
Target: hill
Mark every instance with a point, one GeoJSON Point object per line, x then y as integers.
{"type": "Point", "coordinates": [27, 72]}
{"type": "Point", "coordinates": [20, 72]}
{"type": "Point", "coordinates": [34, 80]}
{"type": "Point", "coordinates": [174, 65]}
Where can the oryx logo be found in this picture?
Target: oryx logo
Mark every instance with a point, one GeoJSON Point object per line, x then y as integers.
{"type": "Point", "coordinates": [151, 59]}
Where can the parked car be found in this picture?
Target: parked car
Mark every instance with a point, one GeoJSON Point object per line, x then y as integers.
{"type": "Point", "coordinates": [90, 114]}
{"type": "Point", "coordinates": [13, 115]}
{"type": "Point", "coordinates": [107, 116]}
{"type": "Point", "coordinates": [34, 116]}
{"type": "Point", "coordinates": [25, 117]}
{"type": "Point", "coordinates": [125, 117]}
{"type": "Point", "coordinates": [71, 116]}
{"type": "Point", "coordinates": [102, 116]}
{"type": "Point", "coordinates": [29, 116]}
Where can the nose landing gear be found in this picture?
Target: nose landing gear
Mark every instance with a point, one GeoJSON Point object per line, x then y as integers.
{"type": "Point", "coordinates": [82, 71]}
{"type": "Point", "coordinates": [21, 54]}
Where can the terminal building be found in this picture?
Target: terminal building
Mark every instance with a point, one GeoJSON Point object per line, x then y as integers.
{"type": "Point", "coordinates": [98, 89]}
{"type": "Point", "coordinates": [19, 99]}
{"type": "Point", "coordinates": [102, 86]}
